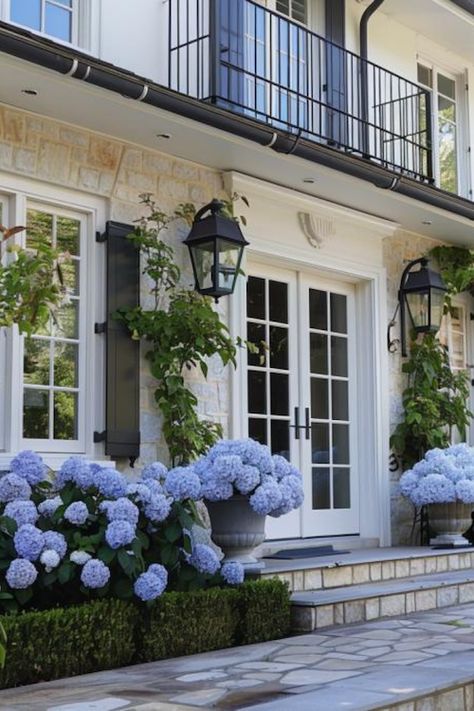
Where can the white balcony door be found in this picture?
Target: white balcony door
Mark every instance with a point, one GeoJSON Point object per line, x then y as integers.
{"type": "Point", "coordinates": [301, 390]}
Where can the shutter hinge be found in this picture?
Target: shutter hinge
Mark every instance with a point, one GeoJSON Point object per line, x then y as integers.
{"type": "Point", "coordinates": [100, 237]}
{"type": "Point", "coordinates": [100, 436]}
{"type": "Point", "coordinates": [100, 327]}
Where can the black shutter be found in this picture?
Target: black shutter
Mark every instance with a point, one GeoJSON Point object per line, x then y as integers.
{"type": "Point", "coordinates": [122, 434]}
{"type": "Point", "coordinates": [337, 69]}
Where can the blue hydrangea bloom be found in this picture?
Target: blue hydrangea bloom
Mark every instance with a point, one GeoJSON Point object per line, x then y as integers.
{"type": "Point", "coordinates": [119, 533]}
{"type": "Point", "coordinates": [13, 487]}
{"type": "Point", "coordinates": [408, 482]}
{"type": "Point", "coordinates": [49, 506]}
{"type": "Point", "coordinates": [227, 467]}
{"type": "Point", "coordinates": [29, 542]}
{"type": "Point", "coordinates": [122, 510]}
{"type": "Point", "coordinates": [152, 584]}
{"type": "Point", "coordinates": [156, 471]}
{"type": "Point", "coordinates": [50, 559]}
{"type": "Point", "coordinates": [465, 491]}
{"type": "Point", "coordinates": [55, 541]}
{"type": "Point", "coordinates": [29, 466]}
{"type": "Point", "coordinates": [111, 483]}
{"type": "Point", "coordinates": [77, 513]}
{"type": "Point", "coordinates": [158, 508]}
{"type": "Point", "coordinates": [21, 574]}
{"type": "Point", "coordinates": [233, 572]}
{"type": "Point", "coordinates": [214, 489]}
{"type": "Point", "coordinates": [183, 483]}
{"type": "Point", "coordinates": [248, 479]}
{"type": "Point", "coordinates": [21, 512]}
{"type": "Point", "coordinates": [266, 498]}
{"type": "Point", "coordinates": [282, 466]}
{"type": "Point", "coordinates": [80, 557]}
{"type": "Point", "coordinates": [95, 574]}
{"type": "Point", "coordinates": [76, 470]}
{"type": "Point", "coordinates": [434, 489]}
{"type": "Point", "coordinates": [140, 491]}
{"type": "Point", "coordinates": [204, 559]}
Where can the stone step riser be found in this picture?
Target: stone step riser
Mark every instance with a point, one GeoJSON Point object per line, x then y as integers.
{"type": "Point", "coordinates": [342, 575]}
{"type": "Point", "coordinates": [316, 617]}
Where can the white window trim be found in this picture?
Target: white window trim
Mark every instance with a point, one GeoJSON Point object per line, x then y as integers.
{"type": "Point", "coordinates": [85, 25]}
{"type": "Point", "coordinates": [459, 75]}
{"type": "Point", "coordinates": [18, 192]}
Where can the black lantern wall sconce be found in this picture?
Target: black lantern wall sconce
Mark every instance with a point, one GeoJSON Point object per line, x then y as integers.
{"type": "Point", "coordinates": [216, 245]}
{"type": "Point", "coordinates": [421, 293]}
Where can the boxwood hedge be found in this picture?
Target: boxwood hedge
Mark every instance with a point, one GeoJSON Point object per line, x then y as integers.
{"type": "Point", "coordinates": [106, 634]}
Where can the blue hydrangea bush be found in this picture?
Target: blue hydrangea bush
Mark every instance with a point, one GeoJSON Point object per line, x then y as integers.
{"type": "Point", "coordinates": [442, 476]}
{"type": "Point", "coordinates": [86, 531]}
{"type": "Point", "coordinates": [244, 467]}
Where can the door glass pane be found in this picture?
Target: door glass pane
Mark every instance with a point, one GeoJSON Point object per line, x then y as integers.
{"type": "Point", "coordinates": [67, 235]}
{"type": "Point", "coordinates": [320, 443]}
{"type": "Point", "coordinates": [340, 439]}
{"type": "Point", "coordinates": [280, 438]}
{"type": "Point", "coordinates": [318, 309]}
{"type": "Point", "coordinates": [318, 344]}
{"type": "Point", "coordinates": [256, 298]}
{"type": "Point", "coordinates": [66, 356]}
{"type": "Point", "coordinates": [278, 293]}
{"type": "Point", "coordinates": [257, 392]}
{"type": "Point", "coordinates": [279, 394]}
{"type": "Point", "coordinates": [339, 313]}
{"type": "Point", "coordinates": [447, 156]}
{"type": "Point", "coordinates": [278, 347]}
{"type": "Point", "coordinates": [340, 400]}
{"type": "Point", "coordinates": [321, 488]}
{"type": "Point", "coordinates": [66, 321]}
{"type": "Point", "coordinates": [39, 228]}
{"type": "Point", "coordinates": [425, 75]}
{"type": "Point", "coordinates": [339, 356]}
{"type": "Point", "coordinates": [258, 430]}
{"type": "Point", "coordinates": [36, 362]}
{"type": "Point", "coordinates": [36, 414]}
{"type": "Point", "coordinates": [342, 488]}
{"type": "Point", "coordinates": [446, 86]}
{"type": "Point", "coordinates": [319, 399]}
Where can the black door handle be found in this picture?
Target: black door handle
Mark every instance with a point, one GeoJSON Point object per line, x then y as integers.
{"type": "Point", "coordinates": [307, 423]}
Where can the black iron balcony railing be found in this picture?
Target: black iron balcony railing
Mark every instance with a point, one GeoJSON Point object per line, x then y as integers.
{"type": "Point", "coordinates": [255, 62]}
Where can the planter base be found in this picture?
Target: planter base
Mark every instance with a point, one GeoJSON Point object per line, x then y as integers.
{"type": "Point", "coordinates": [237, 530]}
{"type": "Point", "coordinates": [455, 540]}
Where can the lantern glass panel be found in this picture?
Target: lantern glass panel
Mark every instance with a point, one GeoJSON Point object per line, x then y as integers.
{"type": "Point", "coordinates": [203, 258]}
{"type": "Point", "coordinates": [229, 257]}
{"type": "Point", "coordinates": [418, 303]}
{"type": "Point", "coordinates": [437, 308]}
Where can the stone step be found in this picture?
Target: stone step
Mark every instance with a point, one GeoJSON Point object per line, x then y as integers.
{"type": "Point", "coordinates": [317, 609]}
{"type": "Point", "coordinates": [361, 567]}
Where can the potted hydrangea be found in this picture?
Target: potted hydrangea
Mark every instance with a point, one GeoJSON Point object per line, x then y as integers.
{"type": "Point", "coordinates": [444, 482]}
{"type": "Point", "coordinates": [242, 483]}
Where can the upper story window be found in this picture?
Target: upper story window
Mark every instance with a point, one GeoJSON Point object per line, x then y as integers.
{"type": "Point", "coordinates": [447, 136]}
{"type": "Point", "coordinates": [55, 18]}
{"type": "Point", "coordinates": [294, 9]}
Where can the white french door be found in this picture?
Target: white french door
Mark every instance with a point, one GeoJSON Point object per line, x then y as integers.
{"type": "Point", "coordinates": [301, 393]}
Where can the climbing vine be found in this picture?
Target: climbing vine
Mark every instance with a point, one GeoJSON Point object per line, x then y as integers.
{"type": "Point", "coordinates": [435, 400]}
{"type": "Point", "coordinates": [181, 331]}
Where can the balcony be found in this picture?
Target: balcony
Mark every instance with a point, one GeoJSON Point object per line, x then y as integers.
{"type": "Point", "coordinates": [251, 61]}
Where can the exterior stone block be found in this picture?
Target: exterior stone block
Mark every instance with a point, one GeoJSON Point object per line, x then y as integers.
{"type": "Point", "coordinates": [425, 600]}
{"type": "Point", "coordinates": [337, 577]}
{"type": "Point", "coordinates": [388, 570]}
{"type": "Point", "coordinates": [354, 611]}
{"type": "Point", "coordinates": [466, 593]}
{"type": "Point", "coordinates": [430, 565]}
{"type": "Point", "coordinates": [372, 609]}
{"type": "Point", "coordinates": [303, 619]}
{"type": "Point", "coordinates": [451, 700]}
{"type": "Point", "coordinates": [53, 161]}
{"type": "Point", "coordinates": [447, 596]}
{"type": "Point", "coordinates": [312, 579]}
{"type": "Point", "coordinates": [417, 566]}
{"type": "Point", "coordinates": [324, 616]}
{"type": "Point", "coordinates": [402, 568]}
{"type": "Point", "coordinates": [103, 153]}
{"type": "Point", "coordinates": [76, 138]}
{"type": "Point", "coordinates": [25, 160]}
{"type": "Point", "coordinates": [375, 571]}
{"type": "Point", "coordinates": [14, 127]}
{"type": "Point", "coordinates": [442, 564]}
{"type": "Point", "coordinates": [410, 602]}
{"type": "Point", "coordinates": [339, 614]}
{"type": "Point", "coordinates": [360, 574]}
{"type": "Point", "coordinates": [453, 562]}
{"type": "Point", "coordinates": [392, 605]}
{"type": "Point", "coordinates": [89, 178]}
{"type": "Point", "coordinates": [298, 581]}
{"type": "Point", "coordinates": [6, 155]}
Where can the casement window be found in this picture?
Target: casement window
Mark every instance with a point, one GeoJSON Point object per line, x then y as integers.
{"type": "Point", "coordinates": [294, 9]}
{"type": "Point", "coordinates": [56, 18]}
{"type": "Point", "coordinates": [53, 378]}
{"type": "Point", "coordinates": [447, 111]}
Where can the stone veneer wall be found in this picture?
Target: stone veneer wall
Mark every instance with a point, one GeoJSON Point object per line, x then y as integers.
{"type": "Point", "coordinates": [398, 250]}
{"type": "Point", "coordinates": [54, 152]}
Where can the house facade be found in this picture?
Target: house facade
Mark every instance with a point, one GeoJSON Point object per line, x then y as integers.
{"type": "Point", "coordinates": [347, 125]}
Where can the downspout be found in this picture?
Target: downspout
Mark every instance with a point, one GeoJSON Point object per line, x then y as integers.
{"type": "Point", "coordinates": [364, 74]}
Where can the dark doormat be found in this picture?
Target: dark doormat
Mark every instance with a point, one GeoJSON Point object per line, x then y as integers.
{"type": "Point", "coordinates": [294, 553]}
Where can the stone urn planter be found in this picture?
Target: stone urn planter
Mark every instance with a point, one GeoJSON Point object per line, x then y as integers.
{"type": "Point", "coordinates": [237, 529]}
{"type": "Point", "coordinates": [450, 521]}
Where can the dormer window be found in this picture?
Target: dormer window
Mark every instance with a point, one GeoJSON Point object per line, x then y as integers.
{"type": "Point", "coordinates": [55, 18]}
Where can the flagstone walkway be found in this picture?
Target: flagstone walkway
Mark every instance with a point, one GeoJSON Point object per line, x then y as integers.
{"type": "Point", "coordinates": [376, 665]}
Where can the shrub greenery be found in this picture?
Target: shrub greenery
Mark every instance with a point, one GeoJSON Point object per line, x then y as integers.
{"type": "Point", "coordinates": [105, 634]}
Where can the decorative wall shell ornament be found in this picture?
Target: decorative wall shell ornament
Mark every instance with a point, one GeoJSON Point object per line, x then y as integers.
{"type": "Point", "coordinates": [316, 229]}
